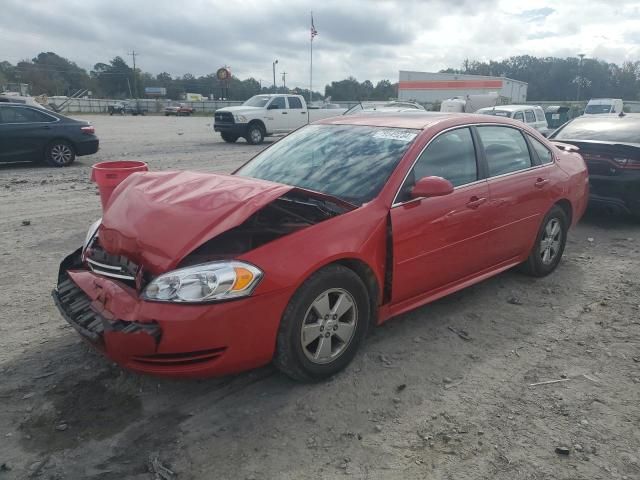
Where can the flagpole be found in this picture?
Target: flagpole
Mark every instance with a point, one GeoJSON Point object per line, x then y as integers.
{"type": "Point", "coordinates": [311, 66]}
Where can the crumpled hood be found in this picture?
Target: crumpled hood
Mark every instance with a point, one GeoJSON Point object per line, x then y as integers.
{"type": "Point", "coordinates": [157, 218]}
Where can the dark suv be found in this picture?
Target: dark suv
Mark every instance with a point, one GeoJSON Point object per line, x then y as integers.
{"type": "Point", "coordinates": [610, 145]}
{"type": "Point", "coordinates": [32, 134]}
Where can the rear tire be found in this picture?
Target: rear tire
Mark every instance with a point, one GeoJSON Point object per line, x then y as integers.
{"type": "Point", "coordinates": [255, 134]}
{"type": "Point", "coordinates": [227, 137]}
{"type": "Point", "coordinates": [549, 244]}
{"type": "Point", "coordinates": [323, 325]}
{"type": "Point", "coordinates": [60, 153]}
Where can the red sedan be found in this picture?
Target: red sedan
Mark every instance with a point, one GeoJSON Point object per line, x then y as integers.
{"type": "Point", "coordinates": [335, 228]}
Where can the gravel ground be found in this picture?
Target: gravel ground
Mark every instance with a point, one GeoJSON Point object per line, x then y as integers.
{"type": "Point", "coordinates": [419, 401]}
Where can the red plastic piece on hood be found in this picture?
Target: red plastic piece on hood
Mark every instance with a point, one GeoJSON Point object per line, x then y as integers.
{"type": "Point", "coordinates": [108, 175]}
{"type": "Point", "coordinates": [156, 219]}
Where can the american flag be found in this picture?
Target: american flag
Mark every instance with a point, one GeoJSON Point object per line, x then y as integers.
{"type": "Point", "coordinates": [314, 32]}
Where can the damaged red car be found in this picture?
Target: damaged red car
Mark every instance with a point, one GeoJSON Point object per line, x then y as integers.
{"type": "Point", "coordinates": [335, 228]}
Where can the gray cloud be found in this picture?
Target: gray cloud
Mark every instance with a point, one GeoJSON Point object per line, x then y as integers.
{"type": "Point", "coordinates": [367, 39]}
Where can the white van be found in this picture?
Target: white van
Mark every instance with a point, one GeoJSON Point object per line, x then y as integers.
{"type": "Point", "coordinates": [532, 115]}
{"type": "Point", "coordinates": [598, 106]}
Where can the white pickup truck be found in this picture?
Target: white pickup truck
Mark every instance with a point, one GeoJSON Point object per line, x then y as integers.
{"type": "Point", "coordinates": [265, 115]}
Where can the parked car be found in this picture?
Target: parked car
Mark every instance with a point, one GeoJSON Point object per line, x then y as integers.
{"type": "Point", "coordinates": [33, 134]}
{"type": "Point", "coordinates": [117, 108]}
{"type": "Point", "coordinates": [557, 115]}
{"type": "Point", "coordinates": [179, 109]}
{"type": "Point", "coordinates": [135, 107]}
{"type": "Point", "coordinates": [603, 106]}
{"type": "Point", "coordinates": [337, 227]}
{"type": "Point", "coordinates": [266, 115]}
{"type": "Point", "coordinates": [610, 145]}
{"type": "Point", "coordinates": [394, 106]}
{"type": "Point", "coordinates": [532, 115]}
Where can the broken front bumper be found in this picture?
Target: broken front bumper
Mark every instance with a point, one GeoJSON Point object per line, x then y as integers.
{"type": "Point", "coordinates": [169, 339]}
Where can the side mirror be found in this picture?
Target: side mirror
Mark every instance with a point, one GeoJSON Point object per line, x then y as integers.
{"type": "Point", "coordinates": [273, 106]}
{"type": "Point", "coordinates": [431, 187]}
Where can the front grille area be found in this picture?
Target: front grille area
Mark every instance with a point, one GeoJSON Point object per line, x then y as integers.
{"type": "Point", "coordinates": [113, 266]}
{"type": "Point", "coordinates": [75, 307]}
{"type": "Point", "coordinates": [183, 358]}
{"type": "Point", "coordinates": [223, 117]}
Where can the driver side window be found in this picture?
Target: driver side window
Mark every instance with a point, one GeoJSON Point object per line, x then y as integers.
{"type": "Point", "coordinates": [451, 155]}
{"type": "Point", "coordinates": [278, 103]}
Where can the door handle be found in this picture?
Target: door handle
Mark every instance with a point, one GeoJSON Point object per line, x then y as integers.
{"type": "Point", "coordinates": [475, 202]}
{"type": "Point", "coordinates": [46, 127]}
{"type": "Point", "coordinates": [303, 113]}
{"type": "Point", "coordinates": [541, 182]}
{"type": "Point", "coordinates": [284, 113]}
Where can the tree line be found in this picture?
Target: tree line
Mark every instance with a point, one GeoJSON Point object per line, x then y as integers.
{"type": "Point", "coordinates": [549, 78]}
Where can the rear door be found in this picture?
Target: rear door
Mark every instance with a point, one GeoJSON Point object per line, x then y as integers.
{"type": "Point", "coordinates": [439, 241]}
{"type": "Point", "coordinates": [24, 132]}
{"type": "Point", "coordinates": [297, 114]}
{"type": "Point", "coordinates": [519, 191]}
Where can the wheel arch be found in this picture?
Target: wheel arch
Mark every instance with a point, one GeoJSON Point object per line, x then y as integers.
{"type": "Point", "coordinates": [57, 139]}
{"type": "Point", "coordinates": [567, 208]}
{"type": "Point", "coordinates": [260, 123]}
{"type": "Point", "coordinates": [368, 277]}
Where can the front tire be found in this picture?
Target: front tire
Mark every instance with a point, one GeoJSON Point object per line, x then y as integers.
{"type": "Point", "coordinates": [227, 137]}
{"type": "Point", "coordinates": [60, 153]}
{"type": "Point", "coordinates": [255, 134]}
{"type": "Point", "coordinates": [549, 245]}
{"type": "Point", "coordinates": [323, 325]}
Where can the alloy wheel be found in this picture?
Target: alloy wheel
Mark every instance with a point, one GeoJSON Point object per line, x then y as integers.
{"type": "Point", "coordinates": [329, 326]}
{"type": "Point", "coordinates": [551, 241]}
{"type": "Point", "coordinates": [61, 154]}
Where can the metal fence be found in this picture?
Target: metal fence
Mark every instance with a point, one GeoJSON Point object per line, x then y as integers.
{"type": "Point", "coordinates": [98, 105]}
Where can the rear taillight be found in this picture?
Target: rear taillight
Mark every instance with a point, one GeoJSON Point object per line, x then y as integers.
{"type": "Point", "coordinates": [630, 163]}
{"type": "Point", "coordinates": [88, 130]}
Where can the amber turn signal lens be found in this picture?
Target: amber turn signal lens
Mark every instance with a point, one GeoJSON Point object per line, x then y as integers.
{"type": "Point", "coordinates": [243, 278]}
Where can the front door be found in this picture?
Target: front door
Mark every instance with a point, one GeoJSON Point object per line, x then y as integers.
{"type": "Point", "coordinates": [279, 112]}
{"type": "Point", "coordinates": [440, 241]}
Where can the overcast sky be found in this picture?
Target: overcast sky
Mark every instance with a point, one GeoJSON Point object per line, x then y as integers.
{"type": "Point", "coordinates": [367, 39]}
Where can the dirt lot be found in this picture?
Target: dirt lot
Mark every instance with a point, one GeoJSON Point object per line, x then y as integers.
{"type": "Point", "coordinates": [418, 402]}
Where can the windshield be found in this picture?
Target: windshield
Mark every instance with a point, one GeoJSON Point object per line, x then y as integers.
{"type": "Point", "coordinates": [257, 101]}
{"type": "Point", "coordinates": [351, 162]}
{"type": "Point", "coordinates": [594, 109]}
{"type": "Point", "coordinates": [610, 129]}
{"type": "Point", "coordinates": [497, 113]}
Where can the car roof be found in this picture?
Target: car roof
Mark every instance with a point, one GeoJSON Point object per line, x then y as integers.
{"type": "Point", "coordinates": [415, 119]}
{"type": "Point", "coordinates": [509, 108]}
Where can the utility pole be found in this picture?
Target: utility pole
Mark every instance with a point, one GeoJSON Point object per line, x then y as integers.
{"type": "Point", "coordinates": [581, 55]}
{"type": "Point", "coordinates": [274, 74]}
{"type": "Point", "coordinates": [133, 54]}
{"type": "Point", "coordinates": [284, 80]}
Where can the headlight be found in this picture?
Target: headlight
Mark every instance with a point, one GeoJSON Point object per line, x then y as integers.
{"type": "Point", "coordinates": [204, 283]}
{"type": "Point", "coordinates": [93, 230]}
{"type": "Point", "coordinates": [240, 118]}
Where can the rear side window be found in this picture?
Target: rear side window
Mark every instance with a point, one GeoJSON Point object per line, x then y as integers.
{"type": "Point", "coordinates": [451, 155]}
{"type": "Point", "coordinates": [518, 116]}
{"type": "Point", "coordinates": [24, 115]}
{"type": "Point", "coordinates": [505, 149]}
{"type": "Point", "coordinates": [544, 154]}
{"type": "Point", "coordinates": [528, 114]}
{"type": "Point", "coordinates": [294, 102]}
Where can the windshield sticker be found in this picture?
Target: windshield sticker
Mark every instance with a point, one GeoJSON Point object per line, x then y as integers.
{"type": "Point", "coordinates": [395, 134]}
